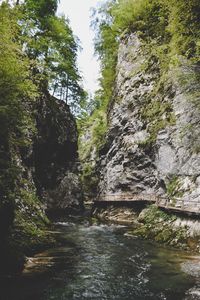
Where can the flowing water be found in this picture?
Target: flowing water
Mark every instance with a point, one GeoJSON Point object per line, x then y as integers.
{"type": "Point", "coordinates": [101, 262]}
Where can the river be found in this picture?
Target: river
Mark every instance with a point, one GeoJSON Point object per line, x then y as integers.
{"type": "Point", "coordinates": [97, 262]}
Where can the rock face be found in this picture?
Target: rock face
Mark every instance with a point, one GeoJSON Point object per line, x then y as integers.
{"type": "Point", "coordinates": [153, 142]}
{"type": "Point", "coordinates": [50, 162]}
{"type": "Point", "coordinates": [43, 176]}
{"type": "Point", "coordinates": [56, 156]}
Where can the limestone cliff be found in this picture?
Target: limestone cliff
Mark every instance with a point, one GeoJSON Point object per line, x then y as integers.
{"type": "Point", "coordinates": [152, 146]}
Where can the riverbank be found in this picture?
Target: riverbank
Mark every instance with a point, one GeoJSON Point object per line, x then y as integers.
{"type": "Point", "coordinates": [174, 230]}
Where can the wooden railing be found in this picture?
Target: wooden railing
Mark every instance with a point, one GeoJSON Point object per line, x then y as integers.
{"type": "Point", "coordinates": [176, 205]}
{"type": "Point", "coordinates": [130, 197]}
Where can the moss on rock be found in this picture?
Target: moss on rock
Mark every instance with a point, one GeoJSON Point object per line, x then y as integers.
{"type": "Point", "coordinates": [154, 224]}
{"type": "Point", "coordinates": [160, 226]}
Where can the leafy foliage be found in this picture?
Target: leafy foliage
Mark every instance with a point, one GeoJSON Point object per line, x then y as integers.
{"type": "Point", "coordinates": [37, 56]}
{"type": "Point", "coordinates": [49, 41]}
{"type": "Point", "coordinates": [184, 27]}
{"type": "Point", "coordinates": [37, 53]}
{"type": "Point", "coordinates": [15, 86]}
{"type": "Point", "coordinates": [169, 27]}
{"type": "Point", "coordinates": [169, 31]}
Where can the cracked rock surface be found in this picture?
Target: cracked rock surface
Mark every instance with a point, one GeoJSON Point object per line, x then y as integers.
{"type": "Point", "coordinates": [153, 141]}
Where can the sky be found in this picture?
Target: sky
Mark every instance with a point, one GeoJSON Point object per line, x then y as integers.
{"type": "Point", "coordinates": [78, 12]}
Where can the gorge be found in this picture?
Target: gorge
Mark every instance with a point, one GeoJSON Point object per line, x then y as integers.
{"type": "Point", "coordinates": [132, 154]}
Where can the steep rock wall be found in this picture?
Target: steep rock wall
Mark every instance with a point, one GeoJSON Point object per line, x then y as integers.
{"type": "Point", "coordinates": [153, 144]}
{"type": "Point", "coordinates": [50, 162]}
{"type": "Point", "coordinates": [42, 174]}
{"type": "Point", "coordinates": [56, 156]}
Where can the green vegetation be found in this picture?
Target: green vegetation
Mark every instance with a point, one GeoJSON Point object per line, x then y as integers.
{"type": "Point", "coordinates": [37, 56]}
{"type": "Point", "coordinates": [15, 86]}
{"type": "Point", "coordinates": [92, 131]}
{"type": "Point", "coordinates": [170, 34]}
{"type": "Point", "coordinates": [169, 29]}
{"type": "Point", "coordinates": [158, 115]}
{"type": "Point", "coordinates": [158, 225]}
{"type": "Point", "coordinates": [156, 110]}
{"type": "Point", "coordinates": [51, 45]}
{"type": "Point", "coordinates": [174, 188]}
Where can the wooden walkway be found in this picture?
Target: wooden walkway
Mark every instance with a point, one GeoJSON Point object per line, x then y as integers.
{"type": "Point", "coordinates": [176, 205]}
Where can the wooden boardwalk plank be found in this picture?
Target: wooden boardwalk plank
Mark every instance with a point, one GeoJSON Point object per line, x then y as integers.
{"type": "Point", "coordinates": [161, 202]}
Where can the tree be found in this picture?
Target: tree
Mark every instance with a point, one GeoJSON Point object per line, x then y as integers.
{"type": "Point", "coordinates": [48, 40]}
{"type": "Point", "coordinates": [106, 47]}
{"type": "Point", "coordinates": [15, 85]}
{"type": "Point", "coordinates": [15, 76]}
